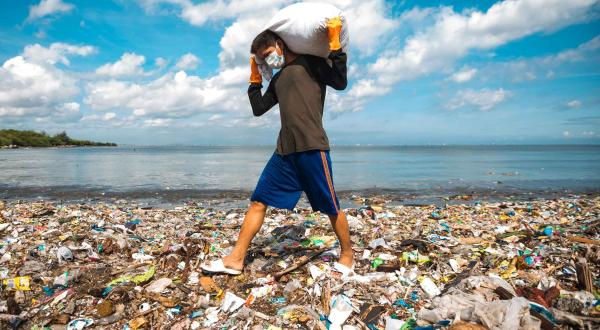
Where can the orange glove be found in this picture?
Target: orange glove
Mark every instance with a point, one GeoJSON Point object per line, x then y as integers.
{"type": "Point", "coordinates": [334, 28]}
{"type": "Point", "coordinates": [255, 77]}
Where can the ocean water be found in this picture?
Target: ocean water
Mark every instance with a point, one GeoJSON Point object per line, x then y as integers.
{"type": "Point", "coordinates": [414, 169]}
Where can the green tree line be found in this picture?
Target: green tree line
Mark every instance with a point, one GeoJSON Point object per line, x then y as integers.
{"type": "Point", "coordinates": [34, 139]}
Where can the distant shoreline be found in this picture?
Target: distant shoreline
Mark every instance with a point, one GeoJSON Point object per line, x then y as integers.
{"type": "Point", "coordinates": [57, 147]}
{"type": "Point", "coordinates": [15, 139]}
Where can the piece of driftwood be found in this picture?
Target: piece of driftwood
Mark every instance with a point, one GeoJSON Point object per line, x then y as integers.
{"type": "Point", "coordinates": [300, 262]}
{"type": "Point", "coordinates": [326, 298]}
{"type": "Point", "coordinates": [584, 276]}
{"type": "Point", "coordinates": [515, 233]}
{"type": "Point", "coordinates": [583, 240]}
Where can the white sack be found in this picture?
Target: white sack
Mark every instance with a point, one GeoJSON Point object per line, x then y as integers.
{"type": "Point", "coordinates": [303, 27]}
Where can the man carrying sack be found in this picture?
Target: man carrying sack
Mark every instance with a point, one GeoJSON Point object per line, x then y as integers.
{"type": "Point", "coordinates": [301, 161]}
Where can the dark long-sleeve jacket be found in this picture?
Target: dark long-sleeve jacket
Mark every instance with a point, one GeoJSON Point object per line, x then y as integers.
{"type": "Point", "coordinates": [300, 88]}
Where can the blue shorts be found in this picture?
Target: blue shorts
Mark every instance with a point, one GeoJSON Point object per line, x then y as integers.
{"type": "Point", "coordinates": [286, 176]}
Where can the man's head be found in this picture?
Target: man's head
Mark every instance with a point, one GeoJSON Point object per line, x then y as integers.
{"type": "Point", "coordinates": [265, 43]}
{"type": "Point", "coordinates": [268, 46]}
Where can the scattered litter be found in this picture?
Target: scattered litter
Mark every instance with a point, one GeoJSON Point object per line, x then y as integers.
{"type": "Point", "coordinates": [496, 265]}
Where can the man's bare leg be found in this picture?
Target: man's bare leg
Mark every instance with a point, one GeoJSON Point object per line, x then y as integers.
{"type": "Point", "coordinates": [340, 226]}
{"type": "Point", "coordinates": [252, 222]}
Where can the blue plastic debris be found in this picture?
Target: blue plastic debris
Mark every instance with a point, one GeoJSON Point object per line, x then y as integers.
{"type": "Point", "coordinates": [402, 303]}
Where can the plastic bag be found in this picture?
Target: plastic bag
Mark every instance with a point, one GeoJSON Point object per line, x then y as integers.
{"type": "Point", "coordinates": [505, 315]}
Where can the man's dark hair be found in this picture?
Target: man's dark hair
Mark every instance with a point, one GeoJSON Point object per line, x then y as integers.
{"type": "Point", "coordinates": [263, 40]}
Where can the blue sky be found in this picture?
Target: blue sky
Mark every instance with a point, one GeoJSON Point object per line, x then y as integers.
{"type": "Point", "coordinates": [421, 72]}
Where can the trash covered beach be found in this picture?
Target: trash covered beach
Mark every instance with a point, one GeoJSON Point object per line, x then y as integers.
{"type": "Point", "coordinates": [470, 265]}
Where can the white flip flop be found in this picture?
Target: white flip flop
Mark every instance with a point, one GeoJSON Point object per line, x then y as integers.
{"type": "Point", "coordinates": [217, 266]}
{"type": "Point", "coordinates": [345, 270]}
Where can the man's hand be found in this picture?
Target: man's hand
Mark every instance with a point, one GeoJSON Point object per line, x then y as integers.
{"type": "Point", "coordinates": [334, 27]}
{"type": "Point", "coordinates": [255, 77]}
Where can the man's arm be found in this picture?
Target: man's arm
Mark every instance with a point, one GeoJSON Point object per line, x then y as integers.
{"type": "Point", "coordinates": [260, 103]}
{"type": "Point", "coordinates": [336, 74]}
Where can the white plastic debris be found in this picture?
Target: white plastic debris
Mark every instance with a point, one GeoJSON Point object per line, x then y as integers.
{"type": "Point", "coordinates": [430, 288]}
{"type": "Point", "coordinates": [212, 316]}
{"type": "Point", "coordinates": [454, 265]}
{"type": "Point", "coordinates": [193, 278]}
{"type": "Point", "coordinates": [378, 242]}
{"type": "Point", "coordinates": [366, 254]}
{"type": "Point", "coordinates": [5, 257]}
{"type": "Point", "coordinates": [393, 324]}
{"type": "Point", "coordinates": [78, 324]}
{"type": "Point", "coordinates": [315, 271]}
{"type": "Point", "coordinates": [261, 291]}
{"type": "Point", "coordinates": [141, 257]}
{"type": "Point", "coordinates": [64, 254]}
{"type": "Point", "coordinates": [231, 302]}
{"type": "Point", "coordinates": [341, 308]}
{"type": "Point", "coordinates": [387, 257]}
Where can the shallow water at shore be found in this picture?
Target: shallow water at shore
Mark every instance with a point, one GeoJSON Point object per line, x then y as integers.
{"type": "Point", "coordinates": [410, 174]}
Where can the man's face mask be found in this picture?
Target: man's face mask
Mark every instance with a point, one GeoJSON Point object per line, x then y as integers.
{"type": "Point", "coordinates": [274, 60]}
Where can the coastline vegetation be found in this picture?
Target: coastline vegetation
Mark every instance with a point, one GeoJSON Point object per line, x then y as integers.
{"type": "Point", "coordinates": [16, 138]}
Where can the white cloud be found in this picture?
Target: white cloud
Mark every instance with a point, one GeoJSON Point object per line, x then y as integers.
{"type": "Point", "coordinates": [160, 62]}
{"type": "Point", "coordinates": [159, 122]}
{"type": "Point", "coordinates": [112, 94]}
{"type": "Point", "coordinates": [235, 43]}
{"type": "Point", "coordinates": [215, 117]}
{"type": "Point", "coordinates": [574, 104]}
{"type": "Point", "coordinates": [172, 95]}
{"type": "Point", "coordinates": [71, 107]}
{"type": "Point", "coordinates": [31, 87]}
{"type": "Point", "coordinates": [455, 34]}
{"type": "Point", "coordinates": [566, 134]}
{"type": "Point", "coordinates": [367, 88]}
{"type": "Point", "coordinates": [540, 67]}
{"type": "Point", "coordinates": [56, 53]}
{"type": "Point", "coordinates": [130, 64]}
{"type": "Point", "coordinates": [484, 99]}
{"type": "Point", "coordinates": [355, 99]}
{"type": "Point", "coordinates": [188, 62]}
{"type": "Point", "coordinates": [368, 23]}
{"type": "Point", "coordinates": [48, 7]}
{"type": "Point", "coordinates": [215, 10]}
{"type": "Point", "coordinates": [41, 34]}
{"type": "Point", "coordinates": [109, 116]}
{"type": "Point", "coordinates": [576, 54]}
{"type": "Point", "coordinates": [464, 75]}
